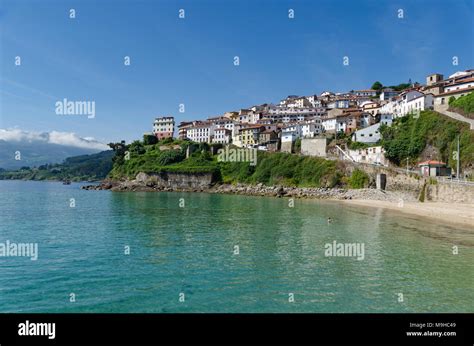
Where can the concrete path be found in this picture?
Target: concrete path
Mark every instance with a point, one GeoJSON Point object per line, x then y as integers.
{"type": "Point", "coordinates": [443, 109]}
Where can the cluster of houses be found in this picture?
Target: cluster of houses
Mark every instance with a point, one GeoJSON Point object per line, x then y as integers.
{"type": "Point", "coordinates": [358, 113]}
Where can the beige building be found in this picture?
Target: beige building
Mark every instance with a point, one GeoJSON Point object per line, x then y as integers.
{"type": "Point", "coordinates": [434, 79]}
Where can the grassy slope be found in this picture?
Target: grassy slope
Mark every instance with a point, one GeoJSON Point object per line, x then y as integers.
{"type": "Point", "coordinates": [464, 105]}
{"type": "Point", "coordinates": [409, 136]}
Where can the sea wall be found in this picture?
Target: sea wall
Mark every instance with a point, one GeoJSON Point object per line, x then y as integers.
{"type": "Point", "coordinates": [450, 193]}
{"type": "Point", "coordinates": [435, 191]}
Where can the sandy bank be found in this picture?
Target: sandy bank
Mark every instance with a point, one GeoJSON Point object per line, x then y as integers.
{"type": "Point", "coordinates": [453, 213]}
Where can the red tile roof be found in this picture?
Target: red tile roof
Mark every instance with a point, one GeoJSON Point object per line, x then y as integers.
{"type": "Point", "coordinates": [431, 162]}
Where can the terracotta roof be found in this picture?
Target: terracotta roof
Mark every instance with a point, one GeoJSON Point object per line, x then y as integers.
{"type": "Point", "coordinates": [431, 162]}
{"type": "Point", "coordinates": [455, 91]}
{"type": "Point", "coordinates": [251, 127]}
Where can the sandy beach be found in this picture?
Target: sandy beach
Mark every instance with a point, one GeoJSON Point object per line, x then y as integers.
{"type": "Point", "coordinates": [453, 213]}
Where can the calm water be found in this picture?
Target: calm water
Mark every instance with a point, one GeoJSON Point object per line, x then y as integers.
{"type": "Point", "coordinates": [190, 250]}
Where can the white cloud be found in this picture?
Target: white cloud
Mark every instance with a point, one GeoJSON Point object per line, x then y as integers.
{"type": "Point", "coordinates": [53, 137]}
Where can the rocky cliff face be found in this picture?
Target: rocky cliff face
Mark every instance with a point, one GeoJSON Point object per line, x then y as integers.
{"type": "Point", "coordinates": [160, 182]}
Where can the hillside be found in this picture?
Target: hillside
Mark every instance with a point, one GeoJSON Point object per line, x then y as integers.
{"type": "Point", "coordinates": [78, 168]}
{"type": "Point", "coordinates": [463, 105]}
{"type": "Point", "coordinates": [431, 136]}
{"type": "Point", "coordinates": [271, 168]}
{"type": "Point", "coordinates": [35, 153]}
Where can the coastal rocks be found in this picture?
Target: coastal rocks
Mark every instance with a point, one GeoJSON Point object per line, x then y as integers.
{"type": "Point", "coordinates": [319, 193]}
{"type": "Point", "coordinates": [164, 181]}
{"type": "Point", "coordinates": [203, 182]}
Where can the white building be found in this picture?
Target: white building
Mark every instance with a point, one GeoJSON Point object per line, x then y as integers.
{"type": "Point", "coordinates": [300, 102]}
{"type": "Point", "coordinates": [293, 114]}
{"type": "Point", "coordinates": [368, 92]}
{"type": "Point", "coordinates": [387, 94]}
{"type": "Point", "coordinates": [371, 155]}
{"type": "Point", "coordinates": [388, 108]}
{"type": "Point", "coordinates": [201, 133]}
{"type": "Point", "coordinates": [370, 134]}
{"type": "Point", "coordinates": [291, 132]}
{"type": "Point", "coordinates": [386, 119]}
{"type": "Point", "coordinates": [222, 135]}
{"type": "Point", "coordinates": [222, 122]}
{"type": "Point", "coordinates": [419, 103]}
{"type": "Point", "coordinates": [403, 104]}
{"type": "Point", "coordinates": [311, 128]}
{"type": "Point", "coordinates": [465, 84]}
{"type": "Point", "coordinates": [163, 127]}
{"type": "Point", "coordinates": [329, 124]}
{"type": "Point", "coordinates": [314, 102]}
{"type": "Point", "coordinates": [338, 104]}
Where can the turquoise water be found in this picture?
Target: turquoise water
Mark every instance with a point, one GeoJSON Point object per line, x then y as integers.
{"type": "Point", "coordinates": [190, 250]}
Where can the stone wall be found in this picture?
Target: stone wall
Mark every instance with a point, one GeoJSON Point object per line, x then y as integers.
{"type": "Point", "coordinates": [450, 193]}
{"type": "Point", "coordinates": [287, 147]}
{"type": "Point", "coordinates": [313, 147]}
{"type": "Point", "coordinates": [437, 191]}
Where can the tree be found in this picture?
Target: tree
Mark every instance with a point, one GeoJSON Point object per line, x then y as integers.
{"type": "Point", "coordinates": [377, 86]}
{"type": "Point", "coordinates": [137, 148]}
{"type": "Point", "coordinates": [119, 149]}
{"type": "Point", "coordinates": [149, 139]}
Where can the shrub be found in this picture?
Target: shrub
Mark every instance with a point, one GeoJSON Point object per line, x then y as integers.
{"type": "Point", "coordinates": [149, 139]}
{"type": "Point", "coordinates": [359, 179]}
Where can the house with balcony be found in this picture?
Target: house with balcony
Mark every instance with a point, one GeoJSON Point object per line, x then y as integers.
{"type": "Point", "coordinates": [163, 127]}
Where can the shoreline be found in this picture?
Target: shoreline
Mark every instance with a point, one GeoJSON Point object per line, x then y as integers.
{"type": "Point", "coordinates": [405, 202]}
{"type": "Point", "coordinates": [461, 214]}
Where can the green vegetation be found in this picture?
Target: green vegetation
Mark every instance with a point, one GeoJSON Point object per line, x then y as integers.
{"type": "Point", "coordinates": [271, 169]}
{"type": "Point", "coordinates": [359, 179]}
{"type": "Point", "coordinates": [421, 198]}
{"type": "Point", "coordinates": [357, 145]}
{"type": "Point", "coordinates": [377, 86]}
{"type": "Point", "coordinates": [149, 139]}
{"type": "Point", "coordinates": [283, 169]}
{"type": "Point", "coordinates": [136, 157]}
{"type": "Point", "coordinates": [298, 145]}
{"type": "Point", "coordinates": [400, 87]}
{"type": "Point", "coordinates": [408, 136]}
{"type": "Point", "coordinates": [433, 181]}
{"type": "Point", "coordinates": [77, 168]}
{"type": "Point", "coordinates": [463, 105]}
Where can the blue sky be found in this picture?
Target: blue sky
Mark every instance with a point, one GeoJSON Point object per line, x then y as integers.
{"type": "Point", "coordinates": [190, 60]}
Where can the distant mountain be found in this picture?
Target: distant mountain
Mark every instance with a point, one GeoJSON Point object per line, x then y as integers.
{"type": "Point", "coordinates": [76, 168]}
{"type": "Point", "coordinates": [20, 148]}
{"type": "Point", "coordinates": [36, 153]}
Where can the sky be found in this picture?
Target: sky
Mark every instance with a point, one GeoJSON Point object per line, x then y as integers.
{"type": "Point", "coordinates": [190, 61]}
